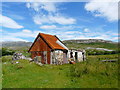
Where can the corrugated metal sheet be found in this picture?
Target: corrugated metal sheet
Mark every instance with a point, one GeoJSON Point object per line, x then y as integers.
{"type": "Point", "coordinates": [52, 41]}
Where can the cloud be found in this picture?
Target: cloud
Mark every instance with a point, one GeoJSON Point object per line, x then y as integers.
{"type": "Point", "coordinates": [48, 27]}
{"type": "Point", "coordinates": [37, 6]}
{"type": "Point", "coordinates": [49, 13]}
{"type": "Point", "coordinates": [24, 33]}
{"type": "Point", "coordinates": [59, 27]}
{"type": "Point", "coordinates": [62, 20]}
{"type": "Point", "coordinates": [39, 19]}
{"type": "Point", "coordinates": [1, 30]}
{"type": "Point", "coordinates": [11, 38]}
{"type": "Point", "coordinates": [116, 34]}
{"type": "Point", "coordinates": [64, 33]}
{"type": "Point", "coordinates": [16, 17]}
{"type": "Point", "coordinates": [19, 36]}
{"type": "Point", "coordinates": [86, 30]}
{"type": "Point", "coordinates": [116, 38]}
{"type": "Point", "coordinates": [108, 9]}
{"type": "Point", "coordinates": [9, 23]}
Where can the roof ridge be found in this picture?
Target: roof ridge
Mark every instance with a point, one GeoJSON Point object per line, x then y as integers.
{"type": "Point", "coordinates": [47, 40]}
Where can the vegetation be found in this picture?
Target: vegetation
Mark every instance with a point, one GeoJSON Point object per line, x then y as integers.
{"type": "Point", "coordinates": [89, 74]}
{"type": "Point", "coordinates": [112, 46]}
{"type": "Point", "coordinates": [6, 51]}
{"type": "Point", "coordinates": [0, 75]}
{"type": "Point", "coordinates": [100, 52]}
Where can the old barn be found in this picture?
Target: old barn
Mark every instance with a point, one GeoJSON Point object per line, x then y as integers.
{"type": "Point", "coordinates": [49, 48]}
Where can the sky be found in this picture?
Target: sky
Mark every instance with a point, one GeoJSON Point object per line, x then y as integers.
{"type": "Point", "coordinates": [22, 21]}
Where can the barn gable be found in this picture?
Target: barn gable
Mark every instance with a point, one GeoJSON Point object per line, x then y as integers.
{"type": "Point", "coordinates": [47, 40]}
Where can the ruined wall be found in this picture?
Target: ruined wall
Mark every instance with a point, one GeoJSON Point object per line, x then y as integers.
{"type": "Point", "coordinates": [58, 57]}
{"type": "Point", "coordinates": [76, 55]}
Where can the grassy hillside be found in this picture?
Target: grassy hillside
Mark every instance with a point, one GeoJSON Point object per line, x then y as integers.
{"type": "Point", "coordinates": [16, 43]}
{"type": "Point", "coordinates": [90, 74]}
{"type": "Point", "coordinates": [112, 46]}
{"type": "Point", "coordinates": [25, 45]}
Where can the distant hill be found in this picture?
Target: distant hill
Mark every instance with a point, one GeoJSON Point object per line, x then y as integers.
{"type": "Point", "coordinates": [16, 44]}
{"type": "Point", "coordinates": [76, 44]}
{"type": "Point", "coordinates": [91, 43]}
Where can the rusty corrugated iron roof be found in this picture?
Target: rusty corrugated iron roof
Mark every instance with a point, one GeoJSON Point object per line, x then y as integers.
{"type": "Point", "coordinates": [51, 40]}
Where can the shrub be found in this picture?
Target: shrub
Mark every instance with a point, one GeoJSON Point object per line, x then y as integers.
{"type": "Point", "coordinates": [6, 51]}
{"type": "Point", "coordinates": [100, 52]}
{"type": "Point", "coordinates": [6, 58]}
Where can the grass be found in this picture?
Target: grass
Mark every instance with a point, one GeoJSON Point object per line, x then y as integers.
{"type": "Point", "coordinates": [112, 46]}
{"type": "Point", "coordinates": [0, 74]}
{"type": "Point", "coordinates": [103, 57]}
{"type": "Point", "coordinates": [89, 74]}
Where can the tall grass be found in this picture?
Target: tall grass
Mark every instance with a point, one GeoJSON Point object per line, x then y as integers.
{"type": "Point", "coordinates": [89, 74]}
{"type": "Point", "coordinates": [0, 74]}
{"type": "Point", "coordinates": [103, 73]}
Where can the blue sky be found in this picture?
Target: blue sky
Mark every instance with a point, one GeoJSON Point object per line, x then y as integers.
{"type": "Point", "coordinates": [22, 21]}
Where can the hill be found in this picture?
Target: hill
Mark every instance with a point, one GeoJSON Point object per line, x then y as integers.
{"type": "Point", "coordinates": [91, 43]}
{"type": "Point", "coordinates": [16, 44]}
{"type": "Point", "coordinates": [75, 44]}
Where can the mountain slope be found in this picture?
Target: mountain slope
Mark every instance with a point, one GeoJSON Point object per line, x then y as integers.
{"type": "Point", "coordinates": [72, 44]}
{"type": "Point", "coordinates": [83, 44]}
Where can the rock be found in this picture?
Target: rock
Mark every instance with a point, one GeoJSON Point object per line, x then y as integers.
{"type": "Point", "coordinates": [39, 63]}
{"type": "Point", "coordinates": [16, 62]}
{"type": "Point", "coordinates": [18, 56]}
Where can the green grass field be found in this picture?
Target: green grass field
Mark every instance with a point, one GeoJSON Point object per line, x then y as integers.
{"type": "Point", "coordinates": [90, 74]}
{"type": "Point", "coordinates": [0, 74]}
{"type": "Point", "coordinates": [112, 46]}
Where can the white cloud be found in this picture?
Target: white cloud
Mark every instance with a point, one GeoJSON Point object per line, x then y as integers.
{"type": "Point", "coordinates": [16, 17]}
{"type": "Point", "coordinates": [86, 30]}
{"type": "Point", "coordinates": [116, 38]}
{"type": "Point", "coordinates": [48, 27]}
{"type": "Point", "coordinates": [51, 14]}
{"type": "Point", "coordinates": [1, 30]}
{"type": "Point", "coordinates": [37, 6]}
{"type": "Point", "coordinates": [24, 34]}
{"type": "Point", "coordinates": [9, 23]}
{"type": "Point", "coordinates": [26, 31]}
{"type": "Point", "coordinates": [43, 19]}
{"type": "Point", "coordinates": [62, 20]}
{"type": "Point", "coordinates": [108, 9]}
{"type": "Point", "coordinates": [73, 32]}
{"type": "Point", "coordinates": [28, 5]}
{"type": "Point", "coordinates": [61, 28]}
{"type": "Point", "coordinates": [18, 36]}
{"type": "Point", "coordinates": [11, 38]}
{"type": "Point", "coordinates": [64, 33]}
{"type": "Point", "coordinates": [116, 34]}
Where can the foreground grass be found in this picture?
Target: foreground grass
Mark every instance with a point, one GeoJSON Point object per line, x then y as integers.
{"type": "Point", "coordinates": [0, 75]}
{"type": "Point", "coordinates": [89, 74]}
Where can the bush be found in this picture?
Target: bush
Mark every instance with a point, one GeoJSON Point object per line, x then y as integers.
{"type": "Point", "coordinates": [6, 58]}
{"type": "Point", "coordinates": [6, 51]}
{"type": "Point", "coordinates": [100, 52]}
{"type": "Point", "coordinates": [93, 68]}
